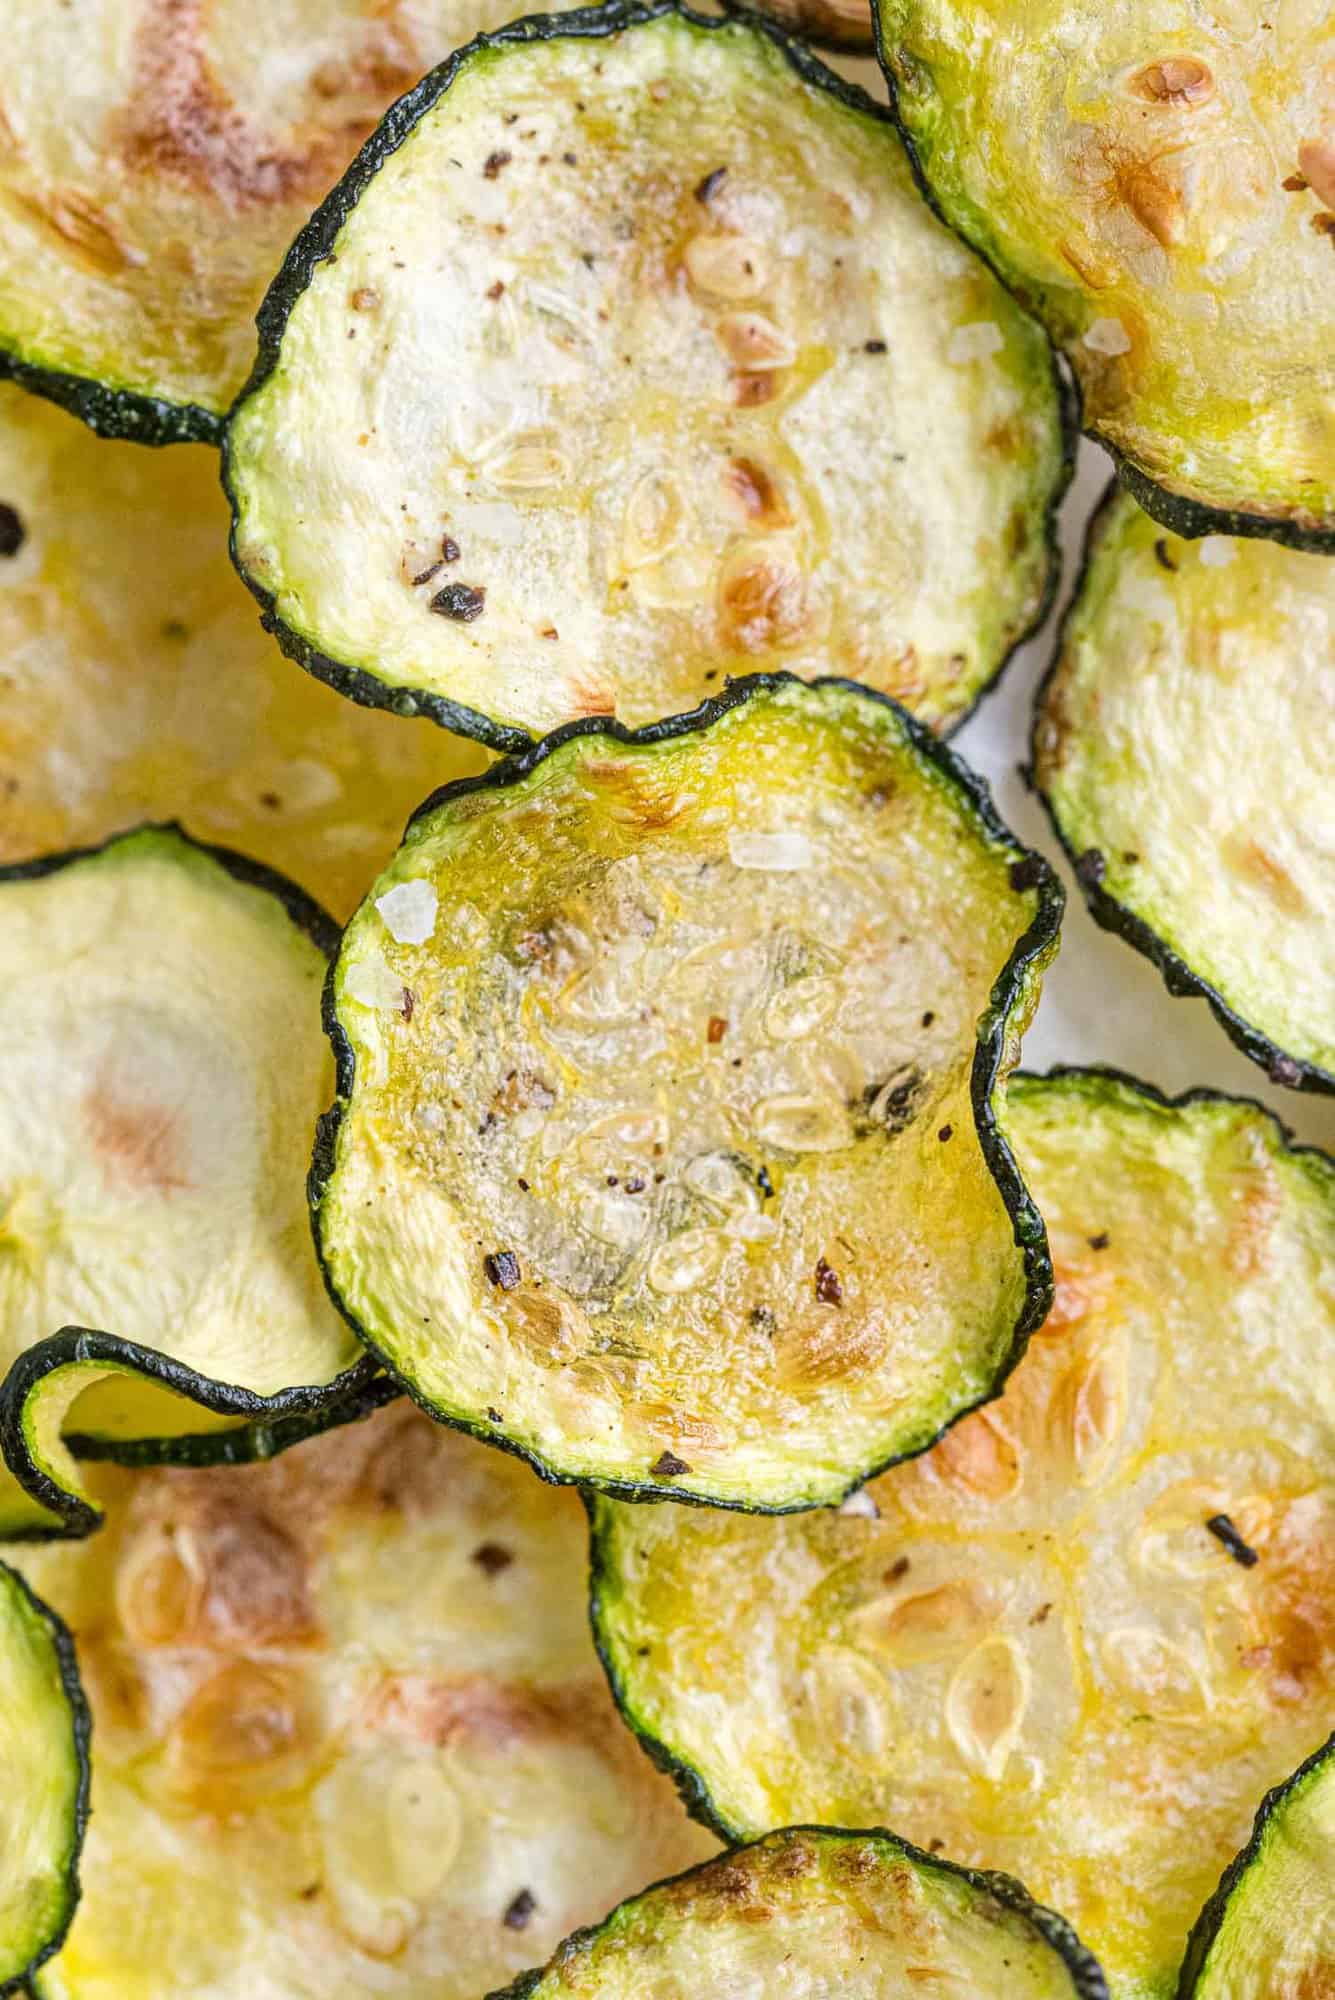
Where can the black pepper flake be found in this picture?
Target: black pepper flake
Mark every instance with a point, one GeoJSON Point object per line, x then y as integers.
{"type": "Point", "coordinates": [946, 1132]}
{"type": "Point", "coordinates": [898, 1569]}
{"type": "Point", "coordinates": [717, 1029]}
{"type": "Point", "coordinates": [873, 347]}
{"type": "Point", "coordinates": [461, 601]}
{"type": "Point", "coordinates": [764, 1183]}
{"type": "Point", "coordinates": [502, 1268]}
{"type": "Point", "coordinates": [829, 1290]}
{"type": "Point", "coordinates": [407, 1003]}
{"type": "Point", "coordinates": [710, 185]}
{"type": "Point", "coordinates": [494, 290]}
{"type": "Point", "coordinates": [928, 1018]}
{"type": "Point", "coordinates": [13, 534]}
{"type": "Point", "coordinates": [1283, 1069]}
{"type": "Point", "coordinates": [425, 575]}
{"type": "Point", "coordinates": [1099, 1242]}
{"type": "Point", "coordinates": [636, 1184]}
{"type": "Point", "coordinates": [1163, 558]}
{"type": "Point", "coordinates": [519, 1910]}
{"type": "Point", "coordinates": [523, 1184]}
{"type": "Point", "coordinates": [1026, 872]}
{"type": "Point", "coordinates": [1041, 1616]}
{"type": "Point", "coordinates": [494, 1416]}
{"type": "Point", "coordinates": [762, 1318]}
{"type": "Point", "coordinates": [449, 549]}
{"type": "Point", "coordinates": [492, 1557]}
{"type": "Point", "coordinates": [494, 163]}
{"type": "Point", "coordinates": [1224, 1531]}
{"type": "Point", "coordinates": [570, 159]}
{"type": "Point", "coordinates": [668, 1466]}
{"type": "Point", "coordinates": [1091, 867]}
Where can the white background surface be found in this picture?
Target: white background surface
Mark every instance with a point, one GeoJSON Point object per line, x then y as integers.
{"type": "Point", "coordinates": [1102, 1001]}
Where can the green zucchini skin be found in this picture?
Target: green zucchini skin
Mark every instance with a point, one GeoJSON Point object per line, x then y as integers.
{"type": "Point", "coordinates": [1208, 1924]}
{"type": "Point", "coordinates": [315, 244]}
{"type": "Point", "coordinates": [1030, 869]}
{"type": "Point", "coordinates": [114, 413]}
{"type": "Point", "coordinates": [1085, 1973]}
{"type": "Point", "coordinates": [81, 1729]}
{"type": "Point", "coordinates": [268, 1424]}
{"type": "Point", "coordinates": [1108, 912]}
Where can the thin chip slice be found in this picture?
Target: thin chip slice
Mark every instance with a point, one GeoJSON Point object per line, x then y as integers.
{"type": "Point", "coordinates": [159, 156]}
{"type": "Point", "coordinates": [352, 1737]}
{"type": "Point", "coordinates": [1185, 748]}
{"type": "Point", "coordinates": [809, 1912]}
{"type": "Point", "coordinates": [159, 1014]}
{"type": "Point", "coordinates": [1082, 1637]}
{"type": "Point", "coordinates": [1156, 181]}
{"type": "Point", "coordinates": [1268, 1932]}
{"type": "Point", "coordinates": [136, 684]}
{"type": "Point", "coordinates": [627, 357]}
{"type": "Point", "coordinates": [665, 1150]}
{"type": "Point", "coordinates": [44, 1793]}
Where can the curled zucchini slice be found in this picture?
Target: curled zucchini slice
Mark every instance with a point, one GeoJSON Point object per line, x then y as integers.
{"type": "Point", "coordinates": [1157, 183]}
{"type": "Point", "coordinates": [159, 1013]}
{"type": "Point", "coordinates": [810, 1911]}
{"type": "Point", "coordinates": [625, 358]}
{"type": "Point", "coordinates": [136, 685]}
{"type": "Point", "coordinates": [666, 1149]}
{"type": "Point", "coordinates": [352, 1736]}
{"type": "Point", "coordinates": [1098, 1620]}
{"type": "Point", "coordinates": [44, 1796]}
{"type": "Point", "coordinates": [1268, 1932]}
{"type": "Point", "coordinates": [1202, 838]}
{"type": "Point", "coordinates": [158, 160]}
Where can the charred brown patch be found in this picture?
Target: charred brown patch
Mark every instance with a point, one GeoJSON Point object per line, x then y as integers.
{"type": "Point", "coordinates": [86, 232]}
{"type": "Point", "coordinates": [637, 796]}
{"type": "Point", "coordinates": [1296, 1602]}
{"type": "Point", "coordinates": [749, 391]}
{"type": "Point", "coordinates": [136, 1142]}
{"type": "Point", "coordinates": [1183, 80]}
{"type": "Point", "coordinates": [755, 493]}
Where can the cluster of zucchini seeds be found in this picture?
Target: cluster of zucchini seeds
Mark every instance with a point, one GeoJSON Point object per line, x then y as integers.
{"type": "Point", "coordinates": [638, 398]}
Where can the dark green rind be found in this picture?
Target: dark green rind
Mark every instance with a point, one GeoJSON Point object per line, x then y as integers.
{"type": "Point", "coordinates": [272, 1423]}
{"type": "Point", "coordinates": [81, 1727]}
{"type": "Point", "coordinates": [1036, 944]}
{"type": "Point", "coordinates": [114, 413]}
{"type": "Point", "coordinates": [1087, 1978]}
{"type": "Point", "coordinates": [1078, 1078]}
{"type": "Point", "coordinates": [1111, 914]}
{"type": "Point", "coordinates": [1183, 514]}
{"type": "Point", "coordinates": [1206, 1926]}
{"type": "Point", "coordinates": [315, 244]}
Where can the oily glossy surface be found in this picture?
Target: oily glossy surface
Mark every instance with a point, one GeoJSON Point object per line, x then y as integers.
{"type": "Point", "coordinates": [640, 362]}
{"type": "Point", "coordinates": [1158, 182]}
{"type": "Point", "coordinates": [657, 1152]}
{"type": "Point", "coordinates": [1028, 1645]}
{"type": "Point", "coordinates": [42, 1752]}
{"type": "Point", "coordinates": [352, 1738]}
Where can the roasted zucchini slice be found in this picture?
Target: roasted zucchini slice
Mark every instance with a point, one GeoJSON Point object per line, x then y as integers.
{"type": "Point", "coordinates": [626, 358]}
{"type": "Point", "coordinates": [352, 1737]}
{"type": "Point", "coordinates": [44, 1795]}
{"type": "Point", "coordinates": [1156, 182]}
{"type": "Point", "coordinates": [158, 159]}
{"type": "Point", "coordinates": [665, 1150]}
{"type": "Point", "coordinates": [159, 1013]}
{"type": "Point", "coordinates": [135, 683]}
{"type": "Point", "coordinates": [1202, 838]}
{"type": "Point", "coordinates": [1080, 1638]}
{"type": "Point", "coordinates": [1268, 1932]}
{"type": "Point", "coordinates": [811, 1911]}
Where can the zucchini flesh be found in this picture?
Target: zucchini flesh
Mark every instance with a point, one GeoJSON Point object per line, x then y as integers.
{"type": "Point", "coordinates": [135, 683]}
{"type": "Point", "coordinates": [44, 1798]}
{"type": "Point", "coordinates": [809, 1912]}
{"type": "Point", "coordinates": [159, 159]}
{"type": "Point", "coordinates": [1200, 837]}
{"type": "Point", "coordinates": [665, 1149]}
{"type": "Point", "coordinates": [1156, 182]}
{"type": "Point", "coordinates": [627, 358]}
{"type": "Point", "coordinates": [163, 1065]}
{"type": "Point", "coordinates": [1053, 1646]}
{"type": "Point", "coordinates": [352, 1734]}
{"type": "Point", "coordinates": [1268, 1932]}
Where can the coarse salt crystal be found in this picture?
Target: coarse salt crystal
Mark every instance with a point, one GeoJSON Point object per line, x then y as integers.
{"type": "Point", "coordinates": [1217, 551]}
{"type": "Point", "coordinates": [862, 1505]}
{"type": "Point", "coordinates": [975, 342]}
{"type": "Point", "coordinates": [409, 911]}
{"type": "Point", "coordinates": [1107, 336]}
{"type": "Point", "coordinates": [780, 852]}
{"type": "Point", "coordinates": [372, 982]}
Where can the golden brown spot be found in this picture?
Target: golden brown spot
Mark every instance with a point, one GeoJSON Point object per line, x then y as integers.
{"type": "Point", "coordinates": [135, 1142]}
{"type": "Point", "coordinates": [1088, 267]}
{"type": "Point", "coordinates": [588, 697]}
{"type": "Point", "coordinates": [247, 1725]}
{"type": "Point", "coordinates": [1314, 1982]}
{"type": "Point", "coordinates": [752, 341]}
{"type": "Point", "coordinates": [748, 391]}
{"type": "Point", "coordinates": [1078, 1293]}
{"type": "Point", "coordinates": [637, 797]}
{"type": "Point", "coordinates": [829, 1348]}
{"type": "Point", "coordinates": [751, 487]}
{"type": "Point", "coordinates": [1156, 205]}
{"type": "Point", "coordinates": [919, 1626]}
{"type": "Point", "coordinates": [522, 1090]}
{"type": "Point", "coordinates": [762, 602]}
{"type": "Point", "coordinates": [365, 299]}
{"type": "Point", "coordinates": [1295, 1581]}
{"type": "Point", "coordinates": [1256, 865]}
{"type": "Point", "coordinates": [978, 1456]}
{"type": "Point", "coordinates": [411, 1470]}
{"type": "Point", "coordinates": [82, 228]}
{"type": "Point", "coordinates": [1176, 80]}
{"type": "Point", "coordinates": [1316, 163]}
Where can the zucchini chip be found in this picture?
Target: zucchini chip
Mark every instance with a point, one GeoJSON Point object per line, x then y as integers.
{"type": "Point", "coordinates": [1157, 183]}
{"type": "Point", "coordinates": [136, 685]}
{"type": "Point", "coordinates": [625, 358]}
{"type": "Point", "coordinates": [159, 1012]}
{"type": "Point", "coordinates": [159, 157]}
{"type": "Point", "coordinates": [1268, 1932]}
{"type": "Point", "coordinates": [44, 1795]}
{"type": "Point", "coordinates": [810, 1912]}
{"type": "Point", "coordinates": [1080, 1638]}
{"type": "Point", "coordinates": [352, 1736]}
{"type": "Point", "coordinates": [665, 1150]}
{"type": "Point", "coordinates": [1201, 839]}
